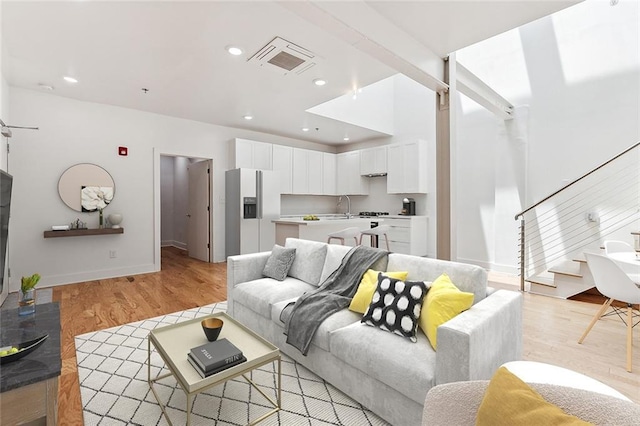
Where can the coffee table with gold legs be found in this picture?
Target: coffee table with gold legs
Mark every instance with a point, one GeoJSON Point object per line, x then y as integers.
{"type": "Point", "coordinates": [173, 342]}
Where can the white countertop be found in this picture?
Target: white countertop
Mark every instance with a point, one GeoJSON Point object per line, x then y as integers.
{"type": "Point", "coordinates": [354, 221]}
{"type": "Point", "coordinates": [327, 219]}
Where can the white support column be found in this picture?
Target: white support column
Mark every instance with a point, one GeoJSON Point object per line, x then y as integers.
{"type": "Point", "coordinates": [446, 247]}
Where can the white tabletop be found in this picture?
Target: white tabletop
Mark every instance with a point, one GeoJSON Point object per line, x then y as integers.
{"type": "Point", "coordinates": [630, 263]}
{"type": "Point", "coordinates": [629, 257]}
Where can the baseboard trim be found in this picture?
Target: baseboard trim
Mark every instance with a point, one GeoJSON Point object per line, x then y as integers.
{"type": "Point", "coordinates": [496, 267]}
{"type": "Point", "coordinates": [56, 280]}
{"type": "Point", "coordinates": [173, 243]}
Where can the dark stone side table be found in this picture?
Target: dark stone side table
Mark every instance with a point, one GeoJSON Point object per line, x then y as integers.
{"type": "Point", "coordinates": [29, 386]}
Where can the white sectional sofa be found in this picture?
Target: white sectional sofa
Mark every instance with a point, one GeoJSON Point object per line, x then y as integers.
{"type": "Point", "coordinates": [385, 372]}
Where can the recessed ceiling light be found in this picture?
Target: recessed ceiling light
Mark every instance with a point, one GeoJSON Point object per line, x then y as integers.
{"type": "Point", "coordinates": [70, 79]}
{"type": "Point", "coordinates": [233, 50]}
{"type": "Point", "coordinates": [319, 82]}
{"type": "Point", "coordinates": [248, 117]}
{"type": "Point", "coordinates": [346, 138]}
{"type": "Point", "coordinates": [305, 129]}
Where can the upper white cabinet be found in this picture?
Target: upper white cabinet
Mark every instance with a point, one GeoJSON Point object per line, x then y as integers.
{"type": "Point", "coordinates": [248, 154]}
{"type": "Point", "coordinates": [314, 163]}
{"type": "Point", "coordinates": [307, 172]}
{"type": "Point", "coordinates": [350, 182]}
{"type": "Point", "coordinates": [373, 161]}
{"type": "Point", "coordinates": [407, 168]}
{"type": "Point", "coordinates": [329, 174]}
{"type": "Point", "coordinates": [283, 163]}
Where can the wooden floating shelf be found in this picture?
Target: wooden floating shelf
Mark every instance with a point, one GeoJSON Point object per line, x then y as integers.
{"type": "Point", "coordinates": [83, 232]}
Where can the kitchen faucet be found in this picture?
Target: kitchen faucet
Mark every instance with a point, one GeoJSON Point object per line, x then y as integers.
{"type": "Point", "coordinates": [348, 213]}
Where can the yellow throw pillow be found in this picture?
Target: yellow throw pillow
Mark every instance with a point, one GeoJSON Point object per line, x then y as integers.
{"type": "Point", "coordinates": [443, 302]}
{"type": "Point", "coordinates": [367, 287]}
{"type": "Point", "coordinates": [510, 401]}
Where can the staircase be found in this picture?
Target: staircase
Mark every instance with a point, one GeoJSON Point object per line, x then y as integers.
{"type": "Point", "coordinates": [556, 231]}
{"type": "Point", "coordinates": [563, 280]}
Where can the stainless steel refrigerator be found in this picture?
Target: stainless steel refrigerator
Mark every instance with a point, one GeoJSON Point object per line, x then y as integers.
{"type": "Point", "coordinates": [252, 202]}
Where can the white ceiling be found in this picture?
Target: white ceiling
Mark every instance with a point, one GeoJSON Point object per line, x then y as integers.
{"type": "Point", "coordinates": [177, 51]}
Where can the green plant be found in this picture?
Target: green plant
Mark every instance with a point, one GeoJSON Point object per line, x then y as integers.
{"type": "Point", "coordinates": [28, 283]}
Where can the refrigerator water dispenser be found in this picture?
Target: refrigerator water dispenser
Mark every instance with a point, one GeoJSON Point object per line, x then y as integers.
{"type": "Point", "coordinates": [250, 207]}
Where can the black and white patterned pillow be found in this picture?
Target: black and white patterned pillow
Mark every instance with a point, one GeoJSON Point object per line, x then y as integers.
{"type": "Point", "coordinates": [279, 262]}
{"type": "Point", "coordinates": [396, 306]}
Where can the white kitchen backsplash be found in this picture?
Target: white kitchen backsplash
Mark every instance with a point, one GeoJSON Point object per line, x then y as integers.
{"type": "Point", "coordinates": [307, 204]}
{"type": "Point", "coordinates": [378, 201]}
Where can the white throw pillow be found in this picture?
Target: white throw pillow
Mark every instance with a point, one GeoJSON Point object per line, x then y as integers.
{"type": "Point", "coordinates": [309, 261]}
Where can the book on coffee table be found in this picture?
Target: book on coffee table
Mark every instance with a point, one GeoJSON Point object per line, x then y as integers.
{"type": "Point", "coordinates": [214, 371]}
{"type": "Point", "coordinates": [213, 355]}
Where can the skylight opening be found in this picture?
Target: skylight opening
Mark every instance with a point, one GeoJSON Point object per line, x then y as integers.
{"type": "Point", "coordinates": [596, 41]}
{"type": "Point", "coordinates": [500, 63]}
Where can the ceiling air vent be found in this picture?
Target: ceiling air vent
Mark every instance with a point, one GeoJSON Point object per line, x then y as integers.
{"type": "Point", "coordinates": [285, 57]}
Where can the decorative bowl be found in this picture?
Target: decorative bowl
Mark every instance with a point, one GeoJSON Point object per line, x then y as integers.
{"type": "Point", "coordinates": [24, 348]}
{"type": "Point", "coordinates": [212, 328]}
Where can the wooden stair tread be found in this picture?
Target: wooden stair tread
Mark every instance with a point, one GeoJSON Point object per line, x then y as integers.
{"type": "Point", "coordinates": [583, 259]}
{"type": "Point", "coordinates": [567, 267]}
{"type": "Point", "coordinates": [541, 281]}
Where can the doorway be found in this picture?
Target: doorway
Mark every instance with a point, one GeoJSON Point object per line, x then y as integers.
{"type": "Point", "coordinates": [185, 189]}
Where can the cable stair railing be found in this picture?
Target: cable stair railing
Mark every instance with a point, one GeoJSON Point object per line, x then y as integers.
{"type": "Point", "coordinates": [581, 214]}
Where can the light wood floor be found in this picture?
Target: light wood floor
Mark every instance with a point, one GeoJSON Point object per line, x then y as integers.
{"type": "Point", "coordinates": [183, 283]}
{"type": "Point", "coordinates": [551, 326]}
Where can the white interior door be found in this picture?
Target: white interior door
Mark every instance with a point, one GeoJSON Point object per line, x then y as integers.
{"type": "Point", "coordinates": [198, 214]}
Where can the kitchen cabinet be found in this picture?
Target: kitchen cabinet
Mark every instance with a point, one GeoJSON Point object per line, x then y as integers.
{"type": "Point", "coordinates": [373, 161]}
{"type": "Point", "coordinates": [316, 230]}
{"type": "Point", "coordinates": [249, 154]}
{"type": "Point", "coordinates": [307, 172]}
{"type": "Point", "coordinates": [282, 164]}
{"type": "Point", "coordinates": [329, 174]}
{"type": "Point", "coordinates": [407, 234]}
{"type": "Point", "coordinates": [349, 180]}
{"type": "Point", "coordinates": [407, 168]}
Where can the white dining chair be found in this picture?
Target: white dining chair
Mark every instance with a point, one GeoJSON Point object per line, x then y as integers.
{"type": "Point", "coordinates": [613, 246]}
{"type": "Point", "coordinates": [626, 258]}
{"type": "Point", "coordinates": [614, 284]}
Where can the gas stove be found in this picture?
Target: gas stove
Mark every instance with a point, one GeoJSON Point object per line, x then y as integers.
{"type": "Point", "coordinates": [372, 214]}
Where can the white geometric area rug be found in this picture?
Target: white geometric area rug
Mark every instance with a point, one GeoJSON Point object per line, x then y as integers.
{"type": "Point", "coordinates": [114, 389]}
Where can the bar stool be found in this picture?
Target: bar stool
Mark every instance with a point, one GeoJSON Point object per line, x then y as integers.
{"type": "Point", "coordinates": [352, 232]}
{"type": "Point", "coordinates": [377, 232]}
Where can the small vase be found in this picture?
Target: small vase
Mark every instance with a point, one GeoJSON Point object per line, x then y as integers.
{"type": "Point", "coordinates": [115, 219]}
{"type": "Point", "coordinates": [101, 223]}
{"type": "Point", "coordinates": [27, 303]}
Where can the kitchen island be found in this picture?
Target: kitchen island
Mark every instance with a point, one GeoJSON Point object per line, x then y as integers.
{"type": "Point", "coordinates": [318, 230]}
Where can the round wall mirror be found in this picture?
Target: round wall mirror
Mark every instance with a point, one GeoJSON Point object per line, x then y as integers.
{"type": "Point", "coordinates": [86, 187]}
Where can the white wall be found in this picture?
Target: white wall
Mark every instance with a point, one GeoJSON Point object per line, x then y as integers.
{"type": "Point", "coordinates": [167, 165]}
{"type": "Point", "coordinates": [73, 132]}
{"type": "Point", "coordinates": [575, 77]}
{"type": "Point", "coordinates": [4, 99]}
{"type": "Point", "coordinates": [180, 200]}
{"type": "Point", "coordinates": [4, 103]}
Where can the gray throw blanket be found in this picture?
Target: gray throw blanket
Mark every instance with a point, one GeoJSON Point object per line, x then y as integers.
{"type": "Point", "coordinates": [303, 318]}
